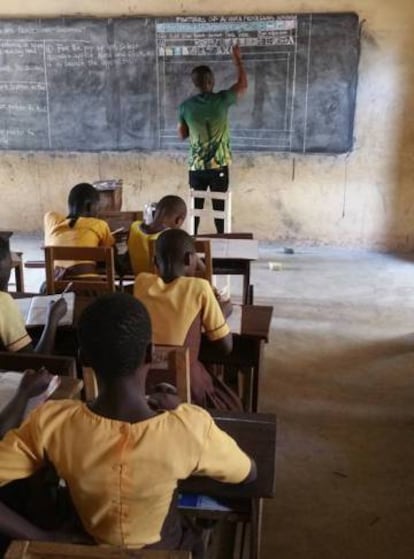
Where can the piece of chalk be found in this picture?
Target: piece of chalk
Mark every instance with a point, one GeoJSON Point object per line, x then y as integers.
{"type": "Point", "coordinates": [275, 266]}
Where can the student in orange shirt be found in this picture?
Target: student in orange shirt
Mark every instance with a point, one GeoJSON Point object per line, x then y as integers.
{"type": "Point", "coordinates": [181, 306]}
{"type": "Point", "coordinates": [13, 333]}
{"type": "Point", "coordinates": [121, 459]}
{"type": "Point", "coordinates": [170, 213]}
{"type": "Point", "coordinates": [80, 228]}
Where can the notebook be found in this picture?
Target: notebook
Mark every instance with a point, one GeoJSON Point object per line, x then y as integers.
{"type": "Point", "coordinates": [9, 383]}
{"type": "Point", "coordinates": [34, 309]}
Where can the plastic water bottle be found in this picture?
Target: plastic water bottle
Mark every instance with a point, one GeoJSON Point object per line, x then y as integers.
{"type": "Point", "coordinates": [149, 211]}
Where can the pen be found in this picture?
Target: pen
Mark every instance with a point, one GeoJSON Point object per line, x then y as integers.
{"type": "Point", "coordinates": [119, 230]}
{"type": "Point", "coordinates": [67, 288]}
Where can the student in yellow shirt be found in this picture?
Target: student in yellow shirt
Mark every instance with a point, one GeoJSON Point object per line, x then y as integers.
{"type": "Point", "coordinates": [120, 459]}
{"type": "Point", "coordinates": [170, 214]}
{"type": "Point", "coordinates": [13, 333]}
{"type": "Point", "coordinates": [80, 228]}
{"type": "Point", "coordinates": [181, 306]}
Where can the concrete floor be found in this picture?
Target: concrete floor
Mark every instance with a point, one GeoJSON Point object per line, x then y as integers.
{"type": "Point", "coordinates": [339, 377]}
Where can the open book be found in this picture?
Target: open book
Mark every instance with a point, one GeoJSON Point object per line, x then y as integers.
{"type": "Point", "coordinates": [34, 309]}
{"type": "Point", "coordinates": [9, 383]}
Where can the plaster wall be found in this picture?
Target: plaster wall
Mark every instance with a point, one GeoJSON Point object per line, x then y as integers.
{"type": "Point", "coordinates": [362, 199]}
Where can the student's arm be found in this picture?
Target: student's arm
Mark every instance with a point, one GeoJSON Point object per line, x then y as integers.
{"type": "Point", "coordinates": [16, 527]}
{"type": "Point", "coordinates": [214, 323]}
{"type": "Point", "coordinates": [224, 345]}
{"type": "Point", "coordinates": [33, 383]}
{"type": "Point", "coordinates": [241, 84]}
{"type": "Point", "coordinates": [55, 312]}
{"type": "Point", "coordinates": [222, 459]}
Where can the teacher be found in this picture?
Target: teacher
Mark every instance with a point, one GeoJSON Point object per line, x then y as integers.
{"type": "Point", "coordinates": [203, 118]}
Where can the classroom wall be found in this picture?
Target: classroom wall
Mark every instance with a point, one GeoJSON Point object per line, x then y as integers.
{"type": "Point", "coordinates": [362, 199]}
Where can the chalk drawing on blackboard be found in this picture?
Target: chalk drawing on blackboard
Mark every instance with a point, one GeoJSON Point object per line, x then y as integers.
{"type": "Point", "coordinates": [115, 84]}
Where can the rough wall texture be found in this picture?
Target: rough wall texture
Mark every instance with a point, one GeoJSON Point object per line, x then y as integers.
{"type": "Point", "coordinates": [363, 199]}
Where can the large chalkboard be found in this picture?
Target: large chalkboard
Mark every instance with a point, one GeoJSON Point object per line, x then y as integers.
{"type": "Point", "coordinates": [115, 84]}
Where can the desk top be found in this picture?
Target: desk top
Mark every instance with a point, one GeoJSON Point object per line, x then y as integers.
{"type": "Point", "coordinates": [251, 320]}
{"type": "Point", "coordinates": [256, 435]}
{"type": "Point", "coordinates": [233, 249]}
{"type": "Point", "coordinates": [49, 550]}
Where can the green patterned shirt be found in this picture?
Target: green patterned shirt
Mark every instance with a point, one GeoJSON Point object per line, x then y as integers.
{"type": "Point", "coordinates": [205, 115]}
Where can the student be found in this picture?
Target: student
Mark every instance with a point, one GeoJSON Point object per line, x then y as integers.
{"type": "Point", "coordinates": [80, 228]}
{"type": "Point", "coordinates": [170, 214]}
{"type": "Point", "coordinates": [120, 459]}
{"type": "Point", "coordinates": [180, 306]}
{"type": "Point", "coordinates": [13, 333]}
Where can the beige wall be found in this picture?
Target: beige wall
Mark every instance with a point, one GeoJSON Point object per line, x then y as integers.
{"type": "Point", "coordinates": [363, 199]}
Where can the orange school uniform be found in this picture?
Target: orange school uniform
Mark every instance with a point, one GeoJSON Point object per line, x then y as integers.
{"type": "Point", "coordinates": [138, 248]}
{"type": "Point", "coordinates": [179, 310]}
{"type": "Point", "coordinates": [13, 333]}
{"type": "Point", "coordinates": [87, 232]}
{"type": "Point", "coordinates": [121, 476]}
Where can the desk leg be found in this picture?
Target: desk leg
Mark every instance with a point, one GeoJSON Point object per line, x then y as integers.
{"type": "Point", "coordinates": [257, 374]}
{"type": "Point", "coordinates": [256, 528]}
{"type": "Point", "coordinates": [18, 274]}
{"type": "Point", "coordinates": [246, 283]}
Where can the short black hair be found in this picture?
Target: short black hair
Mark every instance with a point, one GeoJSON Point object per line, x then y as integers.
{"type": "Point", "coordinates": [201, 76]}
{"type": "Point", "coordinates": [172, 246]}
{"type": "Point", "coordinates": [171, 206]}
{"type": "Point", "coordinates": [114, 334]}
{"type": "Point", "coordinates": [81, 197]}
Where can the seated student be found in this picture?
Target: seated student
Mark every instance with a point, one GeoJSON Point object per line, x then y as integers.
{"type": "Point", "coordinates": [120, 459]}
{"type": "Point", "coordinates": [170, 214]}
{"type": "Point", "coordinates": [180, 306]}
{"type": "Point", "coordinates": [13, 333]}
{"type": "Point", "coordinates": [80, 228]}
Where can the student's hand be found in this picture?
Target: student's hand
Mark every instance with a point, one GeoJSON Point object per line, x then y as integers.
{"type": "Point", "coordinates": [225, 304]}
{"type": "Point", "coordinates": [164, 397]}
{"type": "Point", "coordinates": [34, 383]}
{"type": "Point", "coordinates": [57, 309]}
{"type": "Point", "coordinates": [236, 54]}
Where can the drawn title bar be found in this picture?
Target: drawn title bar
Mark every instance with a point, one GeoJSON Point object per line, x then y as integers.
{"type": "Point", "coordinates": [277, 24]}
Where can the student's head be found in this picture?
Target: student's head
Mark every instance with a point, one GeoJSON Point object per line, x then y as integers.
{"type": "Point", "coordinates": [171, 212]}
{"type": "Point", "coordinates": [5, 264]}
{"type": "Point", "coordinates": [175, 254]}
{"type": "Point", "coordinates": [114, 336]}
{"type": "Point", "coordinates": [203, 78]}
{"type": "Point", "coordinates": [83, 201]}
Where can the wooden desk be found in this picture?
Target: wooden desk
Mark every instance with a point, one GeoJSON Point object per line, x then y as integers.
{"type": "Point", "coordinates": [256, 435]}
{"type": "Point", "coordinates": [62, 366]}
{"type": "Point", "coordinates": [233, 257]}
{"type": "Point", "coordinates": [49, 550]}
{"type": "Point", "coordinates": [250, 325]}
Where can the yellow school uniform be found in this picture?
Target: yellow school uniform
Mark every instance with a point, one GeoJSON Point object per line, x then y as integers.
{"type": "Point", "coordinates": [138, 248]}
{"type": "Point", "coordinates": [87, 232]}
{"type": "Point", "coordinates": [13, 333]}
{"type": "Point", "coordinates": [174, 306]}
{"type": "Point", "coordinates": [179, 310]}
{"type": "Point", "coordinates": [121, 476]}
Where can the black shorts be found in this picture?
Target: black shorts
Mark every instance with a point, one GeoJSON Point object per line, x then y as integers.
{"type": "Point", "coordinates": [216, 179]}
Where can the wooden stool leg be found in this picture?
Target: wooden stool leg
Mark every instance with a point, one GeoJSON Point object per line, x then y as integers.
{"type": "Point", "coordinates": [18, 272]}
{"type": "Point", "coordinates": [256, 528]}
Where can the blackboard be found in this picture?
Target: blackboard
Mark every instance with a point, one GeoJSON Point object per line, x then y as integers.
{"type": "Point", "coordinates": [115, 84]}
